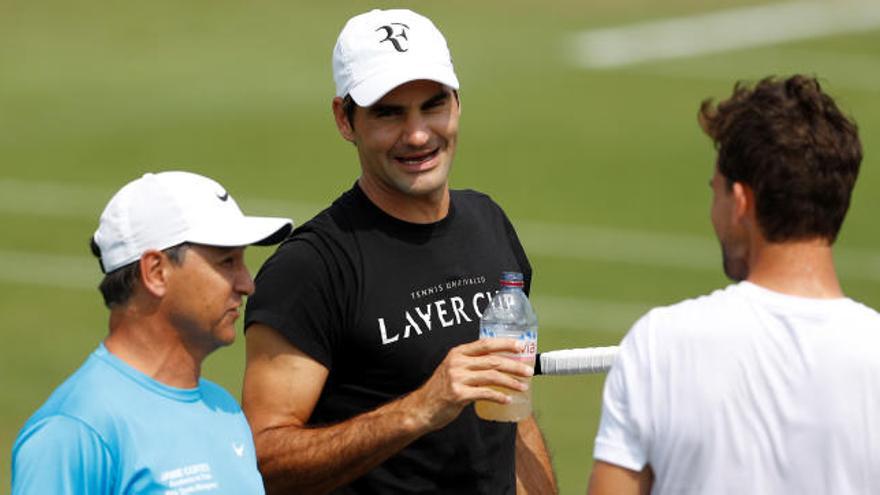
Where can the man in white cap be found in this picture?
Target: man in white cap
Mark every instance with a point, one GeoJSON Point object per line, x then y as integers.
{"type": "Point", "coordinates": [362, 355]}
{"type": "Point", "coordinates": [137, 417]}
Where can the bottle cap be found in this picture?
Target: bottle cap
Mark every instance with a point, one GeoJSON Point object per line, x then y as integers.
{"type": "Point", "coordinates": [512, 279]}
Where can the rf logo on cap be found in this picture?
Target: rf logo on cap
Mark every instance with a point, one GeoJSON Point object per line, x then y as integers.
{"type": "Point", "coordinates": [393, 37]}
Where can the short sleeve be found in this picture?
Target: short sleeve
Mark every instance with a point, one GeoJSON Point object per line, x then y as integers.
{"type": "Point", "coordinates": [298, 294]}
{"type": "Point", "coordinates": [524, 266]}
{"type": "Point", "coordinates": [61, 455]}
{"type": "Point", "coordinates": [623, 434]}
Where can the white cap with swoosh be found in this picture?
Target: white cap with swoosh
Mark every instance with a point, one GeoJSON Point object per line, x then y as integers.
{"type": "Point", "coordinates": [161, 210]}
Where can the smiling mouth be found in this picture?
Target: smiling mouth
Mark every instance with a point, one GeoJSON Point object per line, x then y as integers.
{"type": "Point", "coordinates": [417, 161]}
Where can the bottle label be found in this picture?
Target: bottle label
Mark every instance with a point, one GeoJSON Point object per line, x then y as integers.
{"type": "Point", "coordinates": [529, 338]}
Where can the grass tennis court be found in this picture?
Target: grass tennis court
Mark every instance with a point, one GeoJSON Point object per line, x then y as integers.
{"type": "Point", "coordinates": [603, 172]}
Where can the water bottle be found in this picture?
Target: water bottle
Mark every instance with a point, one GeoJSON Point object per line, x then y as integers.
{"type": "Point", "coordinates": [510, 315]}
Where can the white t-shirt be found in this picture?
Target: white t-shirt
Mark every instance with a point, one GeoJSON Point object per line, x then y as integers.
{"type": "Point", "coordinates": [748, 391]}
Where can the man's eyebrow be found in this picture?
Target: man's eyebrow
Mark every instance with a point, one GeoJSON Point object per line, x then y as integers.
{"type": "Point", "coordinates": [390, 108]}
{"type": "Point", "coordinates": [441, 96]}
{"type": "Point", "coordinates": [221, 251]}
{"type": "Point", "coordinates": [384, 108]}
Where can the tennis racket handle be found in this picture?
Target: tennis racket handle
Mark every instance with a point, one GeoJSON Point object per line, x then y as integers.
{"type": "Point", "coordinates": [576, 361]}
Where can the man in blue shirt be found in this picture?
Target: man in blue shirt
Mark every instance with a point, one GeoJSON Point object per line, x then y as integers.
{"type": "Point", "coordinates": [137, 417]}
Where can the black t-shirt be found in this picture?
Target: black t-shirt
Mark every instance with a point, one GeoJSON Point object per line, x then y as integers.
{"type": "Point", "coordinates": [380, 302]}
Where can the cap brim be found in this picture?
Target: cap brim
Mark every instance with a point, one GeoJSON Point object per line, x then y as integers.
{"type": "Point", "coordinates": [244, 231]}
{"type": "Point", "coordinates": [371, 89]}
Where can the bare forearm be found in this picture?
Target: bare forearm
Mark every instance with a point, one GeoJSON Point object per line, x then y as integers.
{"type": "Point", "coordinates": [319, 459]}
{"type": "Point", "coordinates": [282, 389]}
{"type": "Point", "coordinates": [534, 471]}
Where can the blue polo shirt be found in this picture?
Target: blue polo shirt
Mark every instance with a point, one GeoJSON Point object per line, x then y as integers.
{"type": "Point", "coordinates": [110, 429]}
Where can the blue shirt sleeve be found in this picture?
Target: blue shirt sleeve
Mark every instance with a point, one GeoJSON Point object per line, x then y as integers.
{"type": "Point", "coordinates": [61, 455]}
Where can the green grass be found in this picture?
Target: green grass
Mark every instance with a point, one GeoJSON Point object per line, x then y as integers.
{"type": "Point", "coordinates": [95, 93]}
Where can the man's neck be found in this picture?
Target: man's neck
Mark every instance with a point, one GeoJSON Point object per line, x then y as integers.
{"type": "Point", "coordinates": [152, 349]}
{"type": "Point", "coordinates": [799, 268]}
{"type": "Point", "coordinates": [424, 209]}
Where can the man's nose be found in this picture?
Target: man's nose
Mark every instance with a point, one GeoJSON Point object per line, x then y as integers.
{"type": "Point", "coordinates": [244, 283]}
{"type": "Point", "coordinates": [416, 131]}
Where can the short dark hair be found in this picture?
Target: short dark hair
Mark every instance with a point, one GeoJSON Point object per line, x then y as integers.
{"type": "Point", "coordinates": [118, 285]}
{"type": "Point", "coordinates": [348, 107]}
{"type": "Point", "coordinates": [789, 142]}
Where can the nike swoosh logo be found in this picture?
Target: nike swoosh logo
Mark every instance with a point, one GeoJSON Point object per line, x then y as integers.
{"type": "Point", "coordinates": [223, 197]}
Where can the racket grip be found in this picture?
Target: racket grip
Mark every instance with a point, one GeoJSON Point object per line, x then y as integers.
{"type": "Point", "coordinates": [575, 361]}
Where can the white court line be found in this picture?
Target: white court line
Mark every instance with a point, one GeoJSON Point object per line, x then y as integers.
{"type": "Point", "coordinates": [55, 199]}
{"type": "Point", "coordinates": [82, 273]}
{"type": "Point", "coordinates": [569, 313]}
{"type": "Point", "coordinates": [721, 31]}
{"type": "Point", "coordinates": [654, 249]}
{"type": "Point", "coordinates": [566, 241]}
{"type": "Point", "coordinates": [50, 270]}
{"type": "Point", "coordinates": [859, 72]}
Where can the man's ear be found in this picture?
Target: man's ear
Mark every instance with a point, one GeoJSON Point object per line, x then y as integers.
{"type": "Point", "coordinates": [342, 123]}
{"type": "Point", "coordinates": [743, 202]}
{"type": "Point", "coordinates": [154, 272]}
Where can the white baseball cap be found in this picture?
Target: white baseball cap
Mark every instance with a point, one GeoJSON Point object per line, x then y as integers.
{"type": "Point", "coordinates": [158, 211]}
{"type": "Point", "coordinates": [382, 49]}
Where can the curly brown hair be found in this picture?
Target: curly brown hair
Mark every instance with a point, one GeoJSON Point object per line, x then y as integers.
{"type": "Point", "coordinates": [789, 142]}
